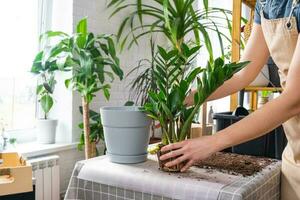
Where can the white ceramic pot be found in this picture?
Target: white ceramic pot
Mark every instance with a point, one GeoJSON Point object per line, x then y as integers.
{"type": "Point", "coordinates": [46, 130]}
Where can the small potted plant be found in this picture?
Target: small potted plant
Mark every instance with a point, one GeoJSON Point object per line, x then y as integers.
{"type": "Point", "coordinates": [45, 68]}
{"type": "Point", "coordinates": [264, 98]}
{"type": "Point", "coordinates": [175, 76]}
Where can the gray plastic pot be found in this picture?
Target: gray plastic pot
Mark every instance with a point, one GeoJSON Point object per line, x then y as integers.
{"type": "Point", "coordinates": [126, 132]}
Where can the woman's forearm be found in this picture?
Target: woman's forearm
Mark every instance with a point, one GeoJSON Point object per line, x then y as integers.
{"type": "Point", "coordinates": [271, 115]}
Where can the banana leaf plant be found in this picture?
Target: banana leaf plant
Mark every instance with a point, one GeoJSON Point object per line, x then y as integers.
{"type": "Point", "coordinates": [175, 77]}
{"type": "Point", "coordinates": [175, 19]}
{"type": "Point", "coordinates": [92, 59]}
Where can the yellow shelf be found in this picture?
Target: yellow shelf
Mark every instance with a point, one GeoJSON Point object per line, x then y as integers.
{"type": "Point", "coordinates": [236, 44]}
{"type": "Point", "coordinates": [250, 3]}
{"type": "Point", "coordinates": [254, 94]}
{"type": "Point", "coordinates": [271, 89]}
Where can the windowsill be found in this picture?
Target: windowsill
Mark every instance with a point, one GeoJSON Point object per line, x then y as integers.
{"type": "Point", "coordinates": [34, 149]}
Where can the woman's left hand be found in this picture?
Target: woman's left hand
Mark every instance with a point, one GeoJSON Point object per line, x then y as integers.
{"type": "Point", "coordinates": [191, 151]}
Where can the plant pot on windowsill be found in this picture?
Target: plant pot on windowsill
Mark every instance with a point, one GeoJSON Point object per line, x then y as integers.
{"type": "Point", "coordinates": [46, 130]}
{"type": "Point", "coordinates": [126, 133]}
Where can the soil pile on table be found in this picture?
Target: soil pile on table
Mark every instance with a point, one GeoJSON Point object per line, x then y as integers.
{"type": "Point", "coordinates": [235, 164]}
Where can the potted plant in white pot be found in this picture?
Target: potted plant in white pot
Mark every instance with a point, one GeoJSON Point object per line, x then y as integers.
{"type": "Point", "coordinates": [45, 68]}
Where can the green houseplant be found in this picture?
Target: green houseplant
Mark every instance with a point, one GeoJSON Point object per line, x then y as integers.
{"type": "Point", "coordinates": [175, 19]}
{"type": "Point", "coordinates": [45, 68]}
{"type": "Point", "coordinates": [175, 77]}
{"type": "Point", "coordinates": [88, 56]}
{"type": "Point", "coordinates": [179, 21]}
{"type": "Point", "coordinates": [186, 28]}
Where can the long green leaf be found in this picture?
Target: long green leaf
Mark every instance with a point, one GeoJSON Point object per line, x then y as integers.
{"type": "Point", "coordinates": [46, 103]}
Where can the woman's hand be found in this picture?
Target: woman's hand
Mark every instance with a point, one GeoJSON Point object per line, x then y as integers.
{"type": "Point", "coordinates": [191, 151]}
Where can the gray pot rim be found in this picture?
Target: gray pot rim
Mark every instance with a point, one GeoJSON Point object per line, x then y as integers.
{"type": "Point", "coordinates": [122, 108]}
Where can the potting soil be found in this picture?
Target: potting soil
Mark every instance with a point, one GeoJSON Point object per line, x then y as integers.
{"type": "Point", "coordinates": [235, 164]}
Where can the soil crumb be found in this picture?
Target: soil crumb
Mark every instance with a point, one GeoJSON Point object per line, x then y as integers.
{"type": "Point", "coordinates": [234, 164]}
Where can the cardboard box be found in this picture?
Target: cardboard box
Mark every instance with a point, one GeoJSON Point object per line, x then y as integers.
{"type": "Point", "coordinates": [197, 130]}
{"type": "Point", "coordinates": [15, 174]}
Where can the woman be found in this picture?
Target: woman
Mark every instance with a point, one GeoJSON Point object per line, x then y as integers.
{"type": "Point", "coordinates": [275, 34]}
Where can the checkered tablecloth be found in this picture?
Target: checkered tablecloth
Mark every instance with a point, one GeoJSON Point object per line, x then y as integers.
{"type": "Point", "coordinates": [100, 179]}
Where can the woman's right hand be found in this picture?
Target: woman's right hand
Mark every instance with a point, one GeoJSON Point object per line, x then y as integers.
{"type": "Point", "coordinates": [191, 150]}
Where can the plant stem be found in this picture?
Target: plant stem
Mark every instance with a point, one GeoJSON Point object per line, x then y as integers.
{"type": "Point", "coordinates": [153, 128]}
{"type": "Point", "coordinates": [188, 122]}
{"type": "Point", "coordinates": [86, 127]}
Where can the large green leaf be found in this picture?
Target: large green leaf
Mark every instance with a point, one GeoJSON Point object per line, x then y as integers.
{"type": "Point", "coordinates": [46, 103]}
{"type": "Point", "coordinates": [49, 34]}
{"type": "Point", "coordinates": [205, 3]}
{"type": "Point", "coordinates": [37, 63]}
{"type": "Point", "coordinates": [39, 89]}
{"type": "Point", "coordinates": [82, 32]}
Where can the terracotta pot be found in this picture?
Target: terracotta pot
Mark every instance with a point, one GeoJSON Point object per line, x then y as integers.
{"type": "Point", "coordinates": [174, 169]}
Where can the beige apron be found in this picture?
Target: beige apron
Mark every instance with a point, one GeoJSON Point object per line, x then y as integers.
{"type": "Point", "coordinates": [281, 36]}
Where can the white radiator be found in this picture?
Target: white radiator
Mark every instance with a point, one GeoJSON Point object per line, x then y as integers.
{"type": "Point", "coordinates": [46, 174]}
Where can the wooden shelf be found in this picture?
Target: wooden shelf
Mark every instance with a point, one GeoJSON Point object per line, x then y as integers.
{"type": "Point", "coordinates": [250, 3]}
{"type": "Point", "coordinates": [254, 94]}
{"type": "Point", "coordinates": [271, 89]}
{"type": "Point", "coordinates": [236, 45]}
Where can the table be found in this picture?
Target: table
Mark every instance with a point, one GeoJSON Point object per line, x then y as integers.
{"type": "Point", "coordinates": [98, 178]}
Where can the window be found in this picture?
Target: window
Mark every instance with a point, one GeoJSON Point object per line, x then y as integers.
{"type": "Point", "coordinates": [21, 24]}
{"type": "Point", "coordinates": [223, 104]}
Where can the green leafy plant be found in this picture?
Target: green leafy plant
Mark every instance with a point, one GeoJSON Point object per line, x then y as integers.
{"type": "Point", "coordinates": [175, 19]}
{"type": "Point", "coordinates": [175, 77]}
{"type": "Point", "coordinates": [265, 93]}
{"type": "Point", "coordinates": [88, 56]}
{"type": "Point", "coordinates": [96, 129]}
{"type": "Point", "coordinates": [45, 68]}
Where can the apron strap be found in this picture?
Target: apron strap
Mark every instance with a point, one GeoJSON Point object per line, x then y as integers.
{"type": "Point", "coordinates": [262, 3]}
{"type": "Point", "coordinates": [295, 4]}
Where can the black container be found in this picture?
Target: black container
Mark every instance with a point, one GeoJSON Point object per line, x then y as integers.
{"type": "Point", "coordinates": [270, 145]}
